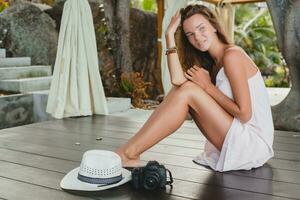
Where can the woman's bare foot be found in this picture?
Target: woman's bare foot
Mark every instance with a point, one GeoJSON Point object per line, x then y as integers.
{"type": "Point", "coordinates": [126, 160]}
{"type": "Point", "coordinates": [131, 163]}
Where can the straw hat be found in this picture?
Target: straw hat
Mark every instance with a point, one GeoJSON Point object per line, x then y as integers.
{"type": "Point", "coordinates": [99, 170]}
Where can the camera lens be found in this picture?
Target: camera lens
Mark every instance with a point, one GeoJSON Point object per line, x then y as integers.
{"type": "Point", "coordinates": [151, 181]}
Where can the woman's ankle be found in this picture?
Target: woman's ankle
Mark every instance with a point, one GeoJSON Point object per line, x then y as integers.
{"type": "Point", "coordinates": [127, 154]}
{"type": "Point", "coordinates": [131, 153]}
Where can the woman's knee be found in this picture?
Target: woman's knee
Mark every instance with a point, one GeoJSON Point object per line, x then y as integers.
{"type": "Point", "coordinates": [189, 89]}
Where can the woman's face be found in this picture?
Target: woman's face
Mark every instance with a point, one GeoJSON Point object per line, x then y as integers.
{"type": "Point", "coordinates": [199, 32]}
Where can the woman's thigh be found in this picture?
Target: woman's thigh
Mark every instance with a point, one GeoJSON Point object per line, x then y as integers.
{"type": "Point", "coordinates": [213, 121]}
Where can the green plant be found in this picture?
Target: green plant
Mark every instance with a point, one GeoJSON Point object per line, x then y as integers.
{"type": "Point", "coordinates": [254, 32]}
{"type": "Point", "coordinates": [130, 85]}
{"type": "Point", "coordinates": [146, 5]}
{"type": "Point", "coordinates": [3, 4]}
{"type": "Point", "coordinates": [49, 2]}
{"type": "Point", "coordinates": [133, 85]}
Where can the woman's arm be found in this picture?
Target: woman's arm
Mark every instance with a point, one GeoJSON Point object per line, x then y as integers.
{"type": "Point", "coordinates": [174, 65]}
{"type": "Point", "coordinates": [234, 61]}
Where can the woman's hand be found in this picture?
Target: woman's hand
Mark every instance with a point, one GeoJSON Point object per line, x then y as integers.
{"type": "Point", "coordinates": [174, 23]}
{"type": "Point", "coordinates": [199, 76]}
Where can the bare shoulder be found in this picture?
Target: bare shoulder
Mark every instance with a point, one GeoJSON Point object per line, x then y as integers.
{"type": "Point", "coordinates": [235, 60]}
{"type": "Point", "coordinates": [234, 53]}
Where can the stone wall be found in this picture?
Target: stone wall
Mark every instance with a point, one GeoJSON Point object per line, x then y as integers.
{"type": "Point", "coordinates": [16, 110]}
{"type": "Point", "coordinates": [21, 109]}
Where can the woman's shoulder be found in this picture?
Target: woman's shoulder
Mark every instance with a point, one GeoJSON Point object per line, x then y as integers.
{"type": "Point", "coordinates": [233, 50]}
{"type": "Point", "coordinates": [234, 54]}
{"type": "Point", "coordinates": [234, 60]}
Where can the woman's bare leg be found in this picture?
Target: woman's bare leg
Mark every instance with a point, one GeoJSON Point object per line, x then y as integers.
{"type": "Point", "coordinates": [170, 115]}
{"type": "Point", "coordinates": [158, 122]}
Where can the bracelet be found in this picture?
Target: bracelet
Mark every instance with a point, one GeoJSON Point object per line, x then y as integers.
{"type": "Point", "coordinates": [171, 50]}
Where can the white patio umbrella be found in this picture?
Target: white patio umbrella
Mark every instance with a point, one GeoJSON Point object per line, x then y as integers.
{"type": "Point", "coordinates": [171, 8]}
{"type": "Point", "coordinates": [76, 88]}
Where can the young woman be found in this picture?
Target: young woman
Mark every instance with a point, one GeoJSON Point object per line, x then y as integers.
{"type": "Point", "coordinates": [223, 91]}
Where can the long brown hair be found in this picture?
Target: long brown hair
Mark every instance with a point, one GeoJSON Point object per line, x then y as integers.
{"type": "Point", "coordinates": [188, 54]}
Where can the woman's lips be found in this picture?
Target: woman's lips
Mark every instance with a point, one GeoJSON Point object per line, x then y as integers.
{"type": "Point", "coordinates": [201, 44]}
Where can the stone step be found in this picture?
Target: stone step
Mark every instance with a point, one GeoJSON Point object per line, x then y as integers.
{"type": "Point", "coordinates": [2, 53]}
{"type": "Point", "coordinates": [25, 72]}
{"type": "Point", "coordinates": [114, 104]}
{"type": "Point", "coordinates": [15, 62]}
{"type": "Point", "coordinates": [118, 104]}
{"type": "Point", "coordinates": [26, 85]}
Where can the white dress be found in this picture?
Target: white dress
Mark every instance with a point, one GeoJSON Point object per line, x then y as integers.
{"type": "Point", "coordinates": [246, 145]}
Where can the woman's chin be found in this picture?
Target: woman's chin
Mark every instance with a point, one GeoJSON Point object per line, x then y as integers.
{"type": "Point", "coordinates": [203, 49]}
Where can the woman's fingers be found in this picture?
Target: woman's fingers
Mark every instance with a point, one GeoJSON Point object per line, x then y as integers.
{"type": "Point", "coordinates": [188, 76]}
{"type": "Point", "coordinates": [197, 67]}
{"type": "Point", "coordinates": [177, 12]}
{"type": "Point", "coordinates": [174, 22]}
{"type": "Point", "coordinates": [190, 71]}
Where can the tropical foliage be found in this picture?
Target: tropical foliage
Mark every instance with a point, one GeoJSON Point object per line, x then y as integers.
{"type": "Point", "coordinates": [3, 4]}
{"type": "Point", "coordinates": [254, 32]}
{"type": "Point", "coordinates": [49, 2]}
{"type": "Point", "coordinates": [146, 5]}
{"type": "Point", "coordinates": [131, 85]}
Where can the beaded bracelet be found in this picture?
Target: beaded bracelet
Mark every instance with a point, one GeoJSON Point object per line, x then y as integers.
{"type": "Point", "coordinates": [171, 50]}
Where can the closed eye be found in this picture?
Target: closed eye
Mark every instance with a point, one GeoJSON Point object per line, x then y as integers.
{"type": "Point", "coordinates": [201, 28]}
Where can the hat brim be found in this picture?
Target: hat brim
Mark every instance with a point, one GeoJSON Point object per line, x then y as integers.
{"type": "Point", "coordinates": [70, 182]}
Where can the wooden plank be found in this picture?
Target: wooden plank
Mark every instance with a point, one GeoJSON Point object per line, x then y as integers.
{"type": "Point", "coordinates": [179, 134]}
{"type": "Point", "coordinates": [180, 161]}
{"type": "Point", "coordinates": [37, 147]}
{"type": "Point", "coordinates": [130, 130]}
{"type": "Point", "coordinates": [188, 127]}
{"type": "Point", "coordinates": [87, 128]}
{"type": "Point", "coordinates": [14, 189]}
{"type": "Point", "coordinates": [39, 171]}
{"type": "Point", "coordinates": [283, 151]}
{"type": "Point", "coordinates": [59, 138]}
{"type": "Point", "coordinates": [44, 149]}
{"type": "Point", "coordinates": [46, 175]}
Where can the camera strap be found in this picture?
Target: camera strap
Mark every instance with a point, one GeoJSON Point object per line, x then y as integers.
{"type": "Point", "coordinates": [170, 177]}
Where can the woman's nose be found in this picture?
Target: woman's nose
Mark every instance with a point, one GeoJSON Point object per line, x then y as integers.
{"type": "Point", "coordinates": [199, 37]}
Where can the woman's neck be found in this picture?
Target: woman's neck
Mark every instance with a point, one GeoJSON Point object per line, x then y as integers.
{"type": "Point", "coordinates": [216, 51]}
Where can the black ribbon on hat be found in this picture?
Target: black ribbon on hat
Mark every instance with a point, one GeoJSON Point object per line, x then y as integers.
{"type": "Point", "coordinates": [106, 181]}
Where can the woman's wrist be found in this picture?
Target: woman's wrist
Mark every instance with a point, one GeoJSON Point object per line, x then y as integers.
{"type": "Point", "coordinates": [170, 41]}
{"type": "Point", "coordinates": [209, 89]}
{"type": "Point", "coordinates": [169, 33]}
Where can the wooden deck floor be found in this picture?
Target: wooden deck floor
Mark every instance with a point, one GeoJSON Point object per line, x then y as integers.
{"type": "Point", "coordinates": [34, 158]}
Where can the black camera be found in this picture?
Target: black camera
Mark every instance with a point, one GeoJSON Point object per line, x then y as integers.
{"type": "Point", "coordinates": [151, 177]}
